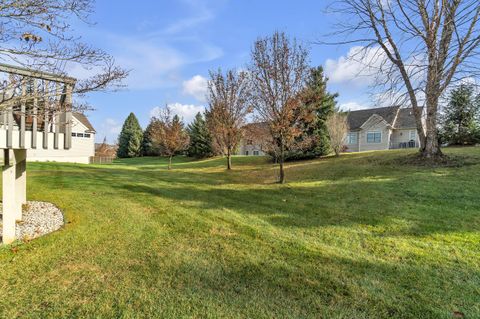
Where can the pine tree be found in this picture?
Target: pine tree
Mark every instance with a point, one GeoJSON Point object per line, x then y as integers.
{"type": "Point", "coordinates": [149, 147]}
{"type": "Point", "coordinates": [315, 134]}
{"type": "Point", "coordinates": [200, 138]}
{"type": "Point", "coordinates": [461, 117]}
{"type": "Point", "coordinates": [130, 140]}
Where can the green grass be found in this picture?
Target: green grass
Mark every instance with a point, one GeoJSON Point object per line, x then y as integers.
{"type": "Point", "coordinates": [350, 237]}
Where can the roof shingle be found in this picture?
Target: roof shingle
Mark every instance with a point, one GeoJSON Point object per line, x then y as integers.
{"type": "Point", "coordinates": [357, 118]}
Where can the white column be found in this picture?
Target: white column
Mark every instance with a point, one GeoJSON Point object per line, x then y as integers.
{"type": "Point", "coordinates": [20, 180]}
{"type": "Point", "coordinates": [8, 197]}
{"type": "Point", "coordinates": [14, 191]}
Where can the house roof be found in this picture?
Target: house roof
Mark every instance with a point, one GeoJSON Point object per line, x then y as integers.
{"type": "Point", "coordinates": [405, 119]}
{"type": "Point", "coordinates": [357, 118]}
{"type": "Point", "coordinates": [84, 120]}
{"type": "Point", "coordinates": [256, 126]}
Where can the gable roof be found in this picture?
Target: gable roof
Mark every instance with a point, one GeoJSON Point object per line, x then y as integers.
{"type": "Point", "coordinates": [84, 120]}
{"type": "Point", "coordinates": [357, 118]}
{"type": "Point", "coordinates": [405, 119]}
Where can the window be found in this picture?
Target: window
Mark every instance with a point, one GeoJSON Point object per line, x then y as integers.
{"type": "Point", "coordinates": [413, 135]}
{"type": "Point", "coordinates": [374, 137]}
{"type": "Point", "coordinates": [79, 134]}
{"type": "Point", "coordinates": [246, 153]}
{"type": "Point", "coordinates": [86, 135]}
{"type": "Point", "coordinates": [74, 134]}
{"type": "Point", "coordinates": [352, 138]}
{"type": "Point", "coordinates": [255, 153]}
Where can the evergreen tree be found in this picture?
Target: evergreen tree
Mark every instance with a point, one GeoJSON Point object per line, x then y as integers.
{"type": "Point", "coordinates": [314, 140]}
{"type": "Point", "coordinates": [460, 120]}
{"type": "Point", "coordinates": [149, 147]}
{"type": "Point", "coordinates": [200, 138]}
{"type": "Point", "coordinates": [130, 140]}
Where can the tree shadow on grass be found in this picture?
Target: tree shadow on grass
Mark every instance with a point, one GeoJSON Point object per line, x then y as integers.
{"type": "Point", "coordinates": [300, 282]}
{"type": "Point", "coordinates": [428, 202]}
{"type": "Point", "coordinates": [339, 204]}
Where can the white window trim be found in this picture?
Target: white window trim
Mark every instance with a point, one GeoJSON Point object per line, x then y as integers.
{"type": "Point", "coordinates": [414, 137]}
{"type": "Point", "coordinates": [373, 132]}
{"type": "Point", "coordinates": [349, 140]}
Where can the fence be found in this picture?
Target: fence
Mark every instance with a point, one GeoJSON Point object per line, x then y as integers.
{"type": "Point", "coordinates": [101, 159]}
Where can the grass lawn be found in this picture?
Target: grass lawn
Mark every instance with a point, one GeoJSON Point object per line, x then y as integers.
{"type": "Point", "coordinates": [354, 237]}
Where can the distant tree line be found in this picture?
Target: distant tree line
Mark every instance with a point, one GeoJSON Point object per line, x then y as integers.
{"type": "Point", "coordinates": [278, 89]}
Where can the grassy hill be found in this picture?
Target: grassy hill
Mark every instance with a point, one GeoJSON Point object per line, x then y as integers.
{"type": "Point", "coordinates": [353, 237]}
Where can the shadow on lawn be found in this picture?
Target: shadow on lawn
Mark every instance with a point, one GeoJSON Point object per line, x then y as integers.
{"type": "Point", "coordinates": [311, 283]}
{"type": "Point", "coordinates": [339, 204]}
{"type": "Point", "coordinates": [356, 195]}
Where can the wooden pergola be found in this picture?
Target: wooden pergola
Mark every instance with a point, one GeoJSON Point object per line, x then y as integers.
{"type": "Point", "coordinates": [35, 111]}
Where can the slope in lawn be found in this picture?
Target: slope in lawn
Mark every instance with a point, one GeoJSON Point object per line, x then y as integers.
{"type": "Point", "coordinates": [357, 236]}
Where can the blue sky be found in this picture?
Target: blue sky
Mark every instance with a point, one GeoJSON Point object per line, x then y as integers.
{"type": "Point", "coordinates": [170, 46]}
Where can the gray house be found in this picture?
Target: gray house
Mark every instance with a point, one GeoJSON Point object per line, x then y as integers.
{"type": "Point", "coordinates": [381, 129]}
{"type": "Point", "coordinates": [255, 141]}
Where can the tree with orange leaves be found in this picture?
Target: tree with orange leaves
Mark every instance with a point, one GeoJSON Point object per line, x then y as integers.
{"type": "Point", "coordinates": [279, 71]}
{"type": "Point", "coordinates": [170, 137]}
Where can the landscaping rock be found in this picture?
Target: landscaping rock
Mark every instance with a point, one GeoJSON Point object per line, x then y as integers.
{"type": "Point", "coordinates": [39, 218]}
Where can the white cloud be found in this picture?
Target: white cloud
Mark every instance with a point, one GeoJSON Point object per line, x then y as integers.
{"type": "Point", "coordinates": [197, 87]}
{"type": "Point", "coordinates": [367, 66]}
{"type": "Point", "coordinates": [359, 66]}
{"type": "Point", "coordinates": [201, 14]}
{"type": "Point", "coordinates": [352, 106]}
{"type": "Point", "coordinates": [186, 112]}
{"type": "Point", "coordinates": [156, 62]}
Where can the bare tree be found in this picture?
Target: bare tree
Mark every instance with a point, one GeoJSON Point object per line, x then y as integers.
{"type": "Point", "coordinates": [228, 106]}
{"type": "Point", "coordinates": [337, 126]}
{"type": "Point", "coordinates": [279, 71]}
{"type": "Point", "coordinates": [420, 47]}
{"type": "Point", "coordinates": [39, 35]}
{"type": "Point", "coordinates": [170, 136]}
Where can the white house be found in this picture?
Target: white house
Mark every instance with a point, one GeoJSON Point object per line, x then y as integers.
{"type": "Point", "coordinates": [82, 147]}
{"type": "Point", "coordinates": [381, 129]}
{"type": "Point", "coordinates": [255, 141]}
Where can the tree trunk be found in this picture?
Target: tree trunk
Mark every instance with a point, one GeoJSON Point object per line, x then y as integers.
{"type": "Point", "coordinates": [229, 160]}
{"type": "Point", "coordinates": [170, 163]}
{"type": "Point", "coordinates": [281, 161]}
{"type": "Point", "coordinates": [431, 148]}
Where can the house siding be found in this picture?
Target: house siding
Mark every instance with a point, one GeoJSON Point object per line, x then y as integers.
{"type": "Point", "coordinates": [385, 141]}
{"type": "Point", "coordinates": [400, 136]}
{"type": "Point", "coordinates": [353, 147]}
{"type": "Point", "coordinates": [80, 152]}
{"type": "Point", "coordinates": [244, 148]}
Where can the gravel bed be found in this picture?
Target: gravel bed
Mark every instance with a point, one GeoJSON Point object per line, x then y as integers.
{"type": "Point", "coordinates": [39, 218]}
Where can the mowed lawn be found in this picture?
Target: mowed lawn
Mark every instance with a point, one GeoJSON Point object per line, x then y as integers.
{"type": "Point", "coordinates": [355, 237]}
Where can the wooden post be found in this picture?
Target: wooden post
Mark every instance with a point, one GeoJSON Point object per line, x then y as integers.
{"type": "Point", "coordinates": [5, 119]}
{"type": "Point", "coordinates": [46, 108]}
{"type": "Point", "coordinates": [8, 198]}
{"type": "Point", "coordinates": [10, 127]}
{"type": "Point", "coordinates": [34, 117]}
{"type": "Point", "coordinates": [56, 115]}
{"type": "Point", "coordinates": [13, 191]}
{"type": "Point", "coordinates": [68, 117]}
{"type": "Point", "coordinates": [20, 181]}
{"type": "Point", "coordinates": [21, 142]}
